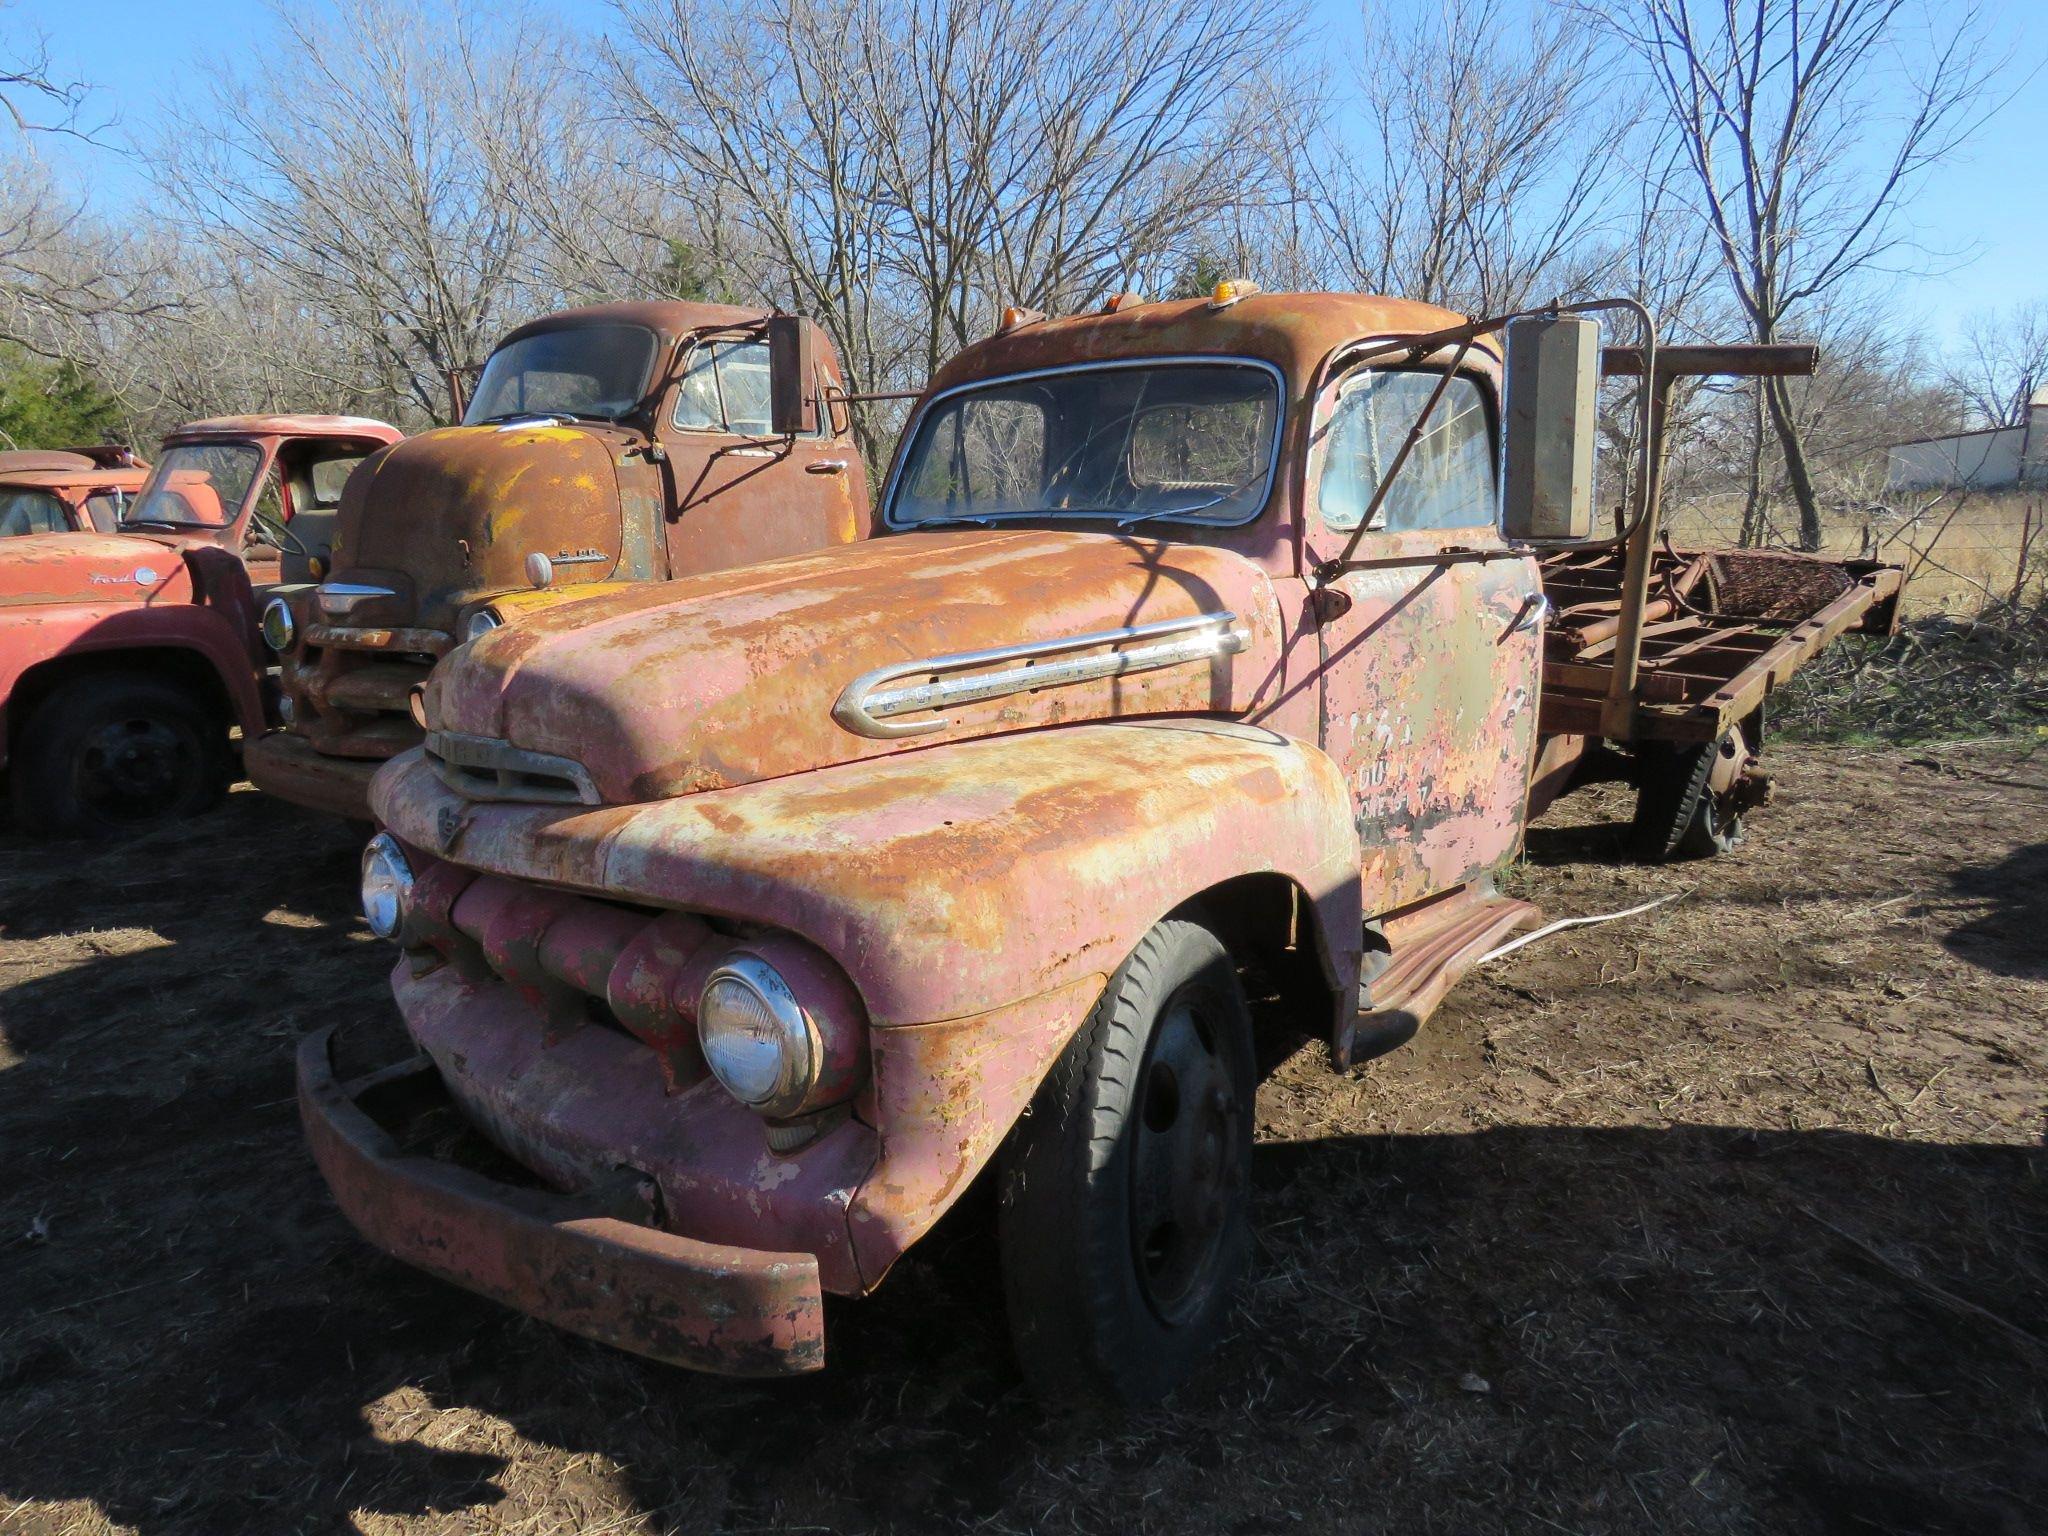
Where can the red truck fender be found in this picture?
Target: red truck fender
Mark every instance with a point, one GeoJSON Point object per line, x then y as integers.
{"type": "Point", "coordinates": [216, 629]}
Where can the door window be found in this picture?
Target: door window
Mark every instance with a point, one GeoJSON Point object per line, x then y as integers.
{"type": "Point", "coordinates": [1448, 479]}
{"type": "Point", "coordinates": [104, 508]}
{"type": "Point", "coordinates": [725, 389]}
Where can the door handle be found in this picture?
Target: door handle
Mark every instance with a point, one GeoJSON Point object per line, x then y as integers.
{"type": "Point", "coordinates": [825, 467]}
{"type": "Point", "coordinates": [1535, 609]}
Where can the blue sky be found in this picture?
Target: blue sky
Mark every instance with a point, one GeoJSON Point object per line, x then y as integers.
{"type": "Point", "coordinates": [1984, 206]}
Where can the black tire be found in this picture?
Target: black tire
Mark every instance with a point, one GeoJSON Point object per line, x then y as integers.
{"type": "Point", "coordinates": [1123, 1222]}
{"type": "Point", "coordinates": [107, 756]}
{"type": "Point", "coordinates": [1677, 815]}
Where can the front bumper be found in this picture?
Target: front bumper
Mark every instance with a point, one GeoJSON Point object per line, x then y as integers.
{"type": "Point", "coordinates": [565, 1259]}
{"type": "Point", "coordinates": [285, 764]}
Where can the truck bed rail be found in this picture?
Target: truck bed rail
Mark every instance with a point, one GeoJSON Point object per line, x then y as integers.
{"type": "Point", "coordinates": [1721, 629]}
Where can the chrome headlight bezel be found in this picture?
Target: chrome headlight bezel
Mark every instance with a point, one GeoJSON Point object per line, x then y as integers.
{"type": "Point", "coordinates": [480, 623]}
{"type": "Point", "coordinates": [386, 886]}
{"type": "Point", "coordinates": [279, 628]}
{"type": "Point", "coordinates": [757, 1039]}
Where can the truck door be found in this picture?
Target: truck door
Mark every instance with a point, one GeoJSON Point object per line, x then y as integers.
{"type": "Point", "coordinates": [1430, 641]}
{"type": "Point", "coordinates": [741, 493]}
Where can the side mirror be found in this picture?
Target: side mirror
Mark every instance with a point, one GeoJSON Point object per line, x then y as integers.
{"type": "Point", "coordinates": [792, 376]}
{"type": "Point", "coordinates": [1553, 381]}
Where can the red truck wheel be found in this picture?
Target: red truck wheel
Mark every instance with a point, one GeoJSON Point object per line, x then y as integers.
{"type": "Point", "coordinates": [108, 755]}
{"type": "Point", "coordinates": [1123, 1221]}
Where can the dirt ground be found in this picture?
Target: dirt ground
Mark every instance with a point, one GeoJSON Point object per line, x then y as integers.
{"type": "Point", "coordinates": [1728, 1218]}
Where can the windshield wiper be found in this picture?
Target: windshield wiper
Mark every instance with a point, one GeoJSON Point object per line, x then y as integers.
{"type": "Point", "coordinates": [1200, 506]}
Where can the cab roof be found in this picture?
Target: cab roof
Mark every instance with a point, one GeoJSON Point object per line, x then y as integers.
{"type": "Point", "coordinates": [285, 426]}
{"type": "Point", "coordinates": [90, 478]}
{"type": "Point", "coordinates": [1293, 331]}
{"type": "Point", "coordinates": [668, 318]}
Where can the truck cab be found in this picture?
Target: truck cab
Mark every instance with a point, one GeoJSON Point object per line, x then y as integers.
{"type": "Point", "coordinates": [129, 654]}
{"type": "Point", "coordinates": [602, 448]}
{"type": "Point", "coordinates": [67, 490]}
{"type": "Point", "coordinates": [757, 916]}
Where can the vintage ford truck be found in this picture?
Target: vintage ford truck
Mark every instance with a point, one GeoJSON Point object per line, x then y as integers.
{"type": "Point", "coordinates": [754, 917]}
{"type": "Point", "coordinates": [613, 444]}
{"type": "Point", "coordinates": [127, 657]}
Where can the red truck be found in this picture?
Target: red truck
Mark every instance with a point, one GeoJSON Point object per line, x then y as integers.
{"type": "Point", "coordinates": [128, 658]}
{"type": "Point", "coordinates": [755, 917]}
{"type": "Point", "coordinates": [618, 444]}
{"type": "Point", "coordinates": [67, 490]}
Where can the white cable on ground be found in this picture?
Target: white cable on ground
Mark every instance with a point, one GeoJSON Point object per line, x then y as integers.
{"type": "Point", "coordinates": [1576, 922]}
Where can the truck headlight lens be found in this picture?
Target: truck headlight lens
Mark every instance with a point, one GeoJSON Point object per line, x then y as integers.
{"type": "Point", "coordinates": [757, 1040]}
{"type": "Point", "coordinates": [278, 626]}
{"type": "Point", "coordinates": [387, 886]}
{"type": "Point", "coordinates": [482, 622]}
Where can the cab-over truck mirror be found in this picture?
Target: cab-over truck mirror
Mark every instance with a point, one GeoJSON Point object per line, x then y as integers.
{"type": "Point", "coordinates": [1553, 379]}
{"type": "Point", "coordinates": [792, 377]}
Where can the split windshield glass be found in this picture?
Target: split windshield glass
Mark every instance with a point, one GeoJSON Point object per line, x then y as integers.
{"type": "Point", "coordinates": [197, 485]}
{"type": "Point", "coordinates": [595, 372]}
{"type": "Point", "coordinates": [1190, 442]}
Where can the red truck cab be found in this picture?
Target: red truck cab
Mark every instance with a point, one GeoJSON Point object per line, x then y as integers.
{"type": "Point", "coordinates": [130, 658]}
{"type": "Point", "coordinates": [67, 490]}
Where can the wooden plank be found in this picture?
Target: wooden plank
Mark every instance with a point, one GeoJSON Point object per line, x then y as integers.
{"type": "Point", "coordinates": [1735, 360]}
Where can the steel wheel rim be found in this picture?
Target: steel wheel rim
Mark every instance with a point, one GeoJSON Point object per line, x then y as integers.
{"type": "Point", "coordinates": [1185, 1180]}
{"type": "Point", "coordinates": [127, 768]}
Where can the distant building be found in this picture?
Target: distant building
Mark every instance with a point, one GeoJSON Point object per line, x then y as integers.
{"type": "Point", "coordinates": [1993, 458]}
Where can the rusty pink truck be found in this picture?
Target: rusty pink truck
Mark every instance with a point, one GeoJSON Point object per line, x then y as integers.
{"type": "Point", "coordinates": [748, 920]}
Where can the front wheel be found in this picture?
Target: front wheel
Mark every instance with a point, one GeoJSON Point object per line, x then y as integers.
{"type": "Point", "coordinates": [108, 755]}
{"type": "Point", "coordinates": [1124, 1220]}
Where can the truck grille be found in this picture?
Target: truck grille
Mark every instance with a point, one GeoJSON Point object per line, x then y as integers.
{"type": "Point", "coordinates": [485, 768]}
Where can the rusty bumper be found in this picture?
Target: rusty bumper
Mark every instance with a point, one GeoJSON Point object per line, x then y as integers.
{"type": "Point", "coordinates": [709, 1307]}
{"type": "Point", "coordinates": [285, 764]}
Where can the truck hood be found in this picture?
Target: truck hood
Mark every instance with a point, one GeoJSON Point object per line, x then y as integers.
{"type": "Point", "coordinates": [452, 514]}
{"type": "Point", "coordinates": [732, 677]}
{"type": "Point", "coordinates": [91, 568]}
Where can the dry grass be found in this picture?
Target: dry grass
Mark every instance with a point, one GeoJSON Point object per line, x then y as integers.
{"type": "Point", "coordinates": [1732, 1218]}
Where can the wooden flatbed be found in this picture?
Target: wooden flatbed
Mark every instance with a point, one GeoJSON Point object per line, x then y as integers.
{"type": "Point", "coordinates": [1721, 629]}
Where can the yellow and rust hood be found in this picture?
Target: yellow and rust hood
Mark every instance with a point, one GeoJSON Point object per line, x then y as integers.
{"type": "Point", "coordinates": [451, 515]}
{"type": "Point", "coordinates": [731, 678]}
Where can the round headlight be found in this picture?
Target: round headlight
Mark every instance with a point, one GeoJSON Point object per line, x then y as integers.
{"type": "Point", "coordinates": [278, 628]}
{"type": "Point", "coordinates": [756, 1039]}
{"type": "Point", "coordinates": [387, 885]}
{"type": "Point", "coordinates": [482, 622]}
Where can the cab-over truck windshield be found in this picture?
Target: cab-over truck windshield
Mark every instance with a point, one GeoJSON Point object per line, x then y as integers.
{"type": "Point", "coordinates": [1171, 439]}
{"type": "Point", "coordinates": [595, 372]}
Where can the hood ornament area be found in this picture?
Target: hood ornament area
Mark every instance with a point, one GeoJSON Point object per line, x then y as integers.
{"type": "Point", "coordinates": [867, 706]}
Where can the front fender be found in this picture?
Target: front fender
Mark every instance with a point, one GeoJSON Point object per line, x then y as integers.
{"type": "Point", "coordinates": [31, 637]}
{"type": "Point", "coordinates": [954, 880]}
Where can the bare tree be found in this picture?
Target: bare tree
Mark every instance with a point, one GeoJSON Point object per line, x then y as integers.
{"type": "Point", "coordinates": [1805, 126]}
{"type": "Point", "coordinates": [361, 161]}
{"type": "Point", "coordinates": [1487, 172]}
{"type": "Point", "coordinates": [908, 167]}
{"type": "Point", "coordinates": [2002, 364]}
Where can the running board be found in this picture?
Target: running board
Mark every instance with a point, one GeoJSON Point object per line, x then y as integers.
{"type": "Point", "coordinates": [1428, 951]}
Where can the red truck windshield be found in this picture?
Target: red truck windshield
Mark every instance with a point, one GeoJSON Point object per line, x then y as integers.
{"type": "Point", "coordinates": [597, 372]}
{"type": "Point", "coordinates": [1185, 440]}
{"type": "Point", "coordinates": [197, 485]}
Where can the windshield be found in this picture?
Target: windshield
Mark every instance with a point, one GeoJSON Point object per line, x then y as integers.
{"type": "Point", "coordinates": [594, 371]}
{"type": "Point", "coordinates": [197, 485]}
{"type": "Point", "coordinates": [1191, 441]}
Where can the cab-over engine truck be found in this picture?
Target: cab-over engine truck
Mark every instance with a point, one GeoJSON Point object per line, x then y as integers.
{"type": "Point", "coordinates": [128, 657]}
{"type": "Point", "coordinates": [760, 914]}
{"type": "Point", "coordinates": [614, 444]}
